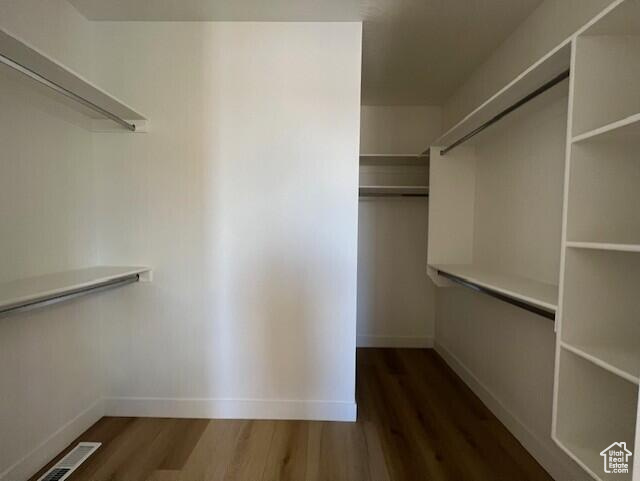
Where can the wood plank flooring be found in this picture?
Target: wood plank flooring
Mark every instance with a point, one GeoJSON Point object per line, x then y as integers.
{"type": "Point", "coordinates": [416, 421]}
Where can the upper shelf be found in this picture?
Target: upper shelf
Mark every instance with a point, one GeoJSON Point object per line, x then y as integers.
{"type": "Point", "coordinates": [550, 66]}
{"type": "Point", "coordinates": [27, 292]}
{"type": "Point", "coordinates": [87, 98]}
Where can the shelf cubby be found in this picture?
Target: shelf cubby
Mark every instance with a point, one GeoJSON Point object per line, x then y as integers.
{"type": "Point", "coordinates": [607, 68]}
{"type": "Point", "coordinates": [603, 192]}
{"type": "Point", "coordinates": [601, 308]}
{"type": "Point", "coordinates": [595, 408]}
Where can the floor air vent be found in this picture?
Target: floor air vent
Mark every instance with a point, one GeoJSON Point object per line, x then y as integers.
{"type": "Point", "coordinates": [67, 465]}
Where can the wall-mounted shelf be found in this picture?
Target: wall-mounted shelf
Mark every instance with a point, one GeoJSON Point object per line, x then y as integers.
{"type": "Point", "coordinates": [393, 191]}
{"type": "Point", "coordinates": [529, 294]}
{"type": "Point", "coordinates": [68, 86]}
{"type": "Point", "coordinates": [31, 292]}
{"type": "Point", "coordinates": [404, 160]}
{"type": "Point", "coordinates": [550, 66]}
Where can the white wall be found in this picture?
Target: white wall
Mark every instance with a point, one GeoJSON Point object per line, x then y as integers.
{"type": "Point", "coordinates": [504, 353]}
{"type": "Point", "coordinates": [243, 199]}
{"type": "Point", "coordinates": [50, 364]}
{"type": "Point", "coordinates": [396, 306]}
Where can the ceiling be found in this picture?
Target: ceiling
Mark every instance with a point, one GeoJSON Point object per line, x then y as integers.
{"type": "Point", "coordinates": [414, 51]}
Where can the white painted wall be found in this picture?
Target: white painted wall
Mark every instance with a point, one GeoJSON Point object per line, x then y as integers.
{"type": "Point", "coordinates": [396, 306]}
{"type": "Point", "coordinates": [50, 363]}
{"type": "Point", "coordinates": [506, 354]}
{"type": "Point", "coordinates": [243, 198]}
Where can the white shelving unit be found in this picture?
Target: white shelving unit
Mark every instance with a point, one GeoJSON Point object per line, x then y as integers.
{"type": "Point", "coordinates": [598, 338]}
{"type": "Point", "coordinates": [34, 291]}
{"type": "Point", "coordinates": [540, 205]}
{"type": "Point", "coordinates": [18, 58]}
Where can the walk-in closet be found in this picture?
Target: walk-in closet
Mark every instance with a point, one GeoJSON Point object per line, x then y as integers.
{"type": "Point", "coordinates": [313, 240]}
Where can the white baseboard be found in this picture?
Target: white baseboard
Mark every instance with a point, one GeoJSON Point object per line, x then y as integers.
{"type": "Point", "coordinates": [54, 444]}
{"type": "Point", "coordinates": [231, 409]}
{"type": "Point", "coordinates": [544, 451]}
{"type": "Point", "coordinates": [394, 341]}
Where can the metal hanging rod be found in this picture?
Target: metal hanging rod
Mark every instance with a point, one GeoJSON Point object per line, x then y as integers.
{"type": "Point", "coordinates": [392, 195]}
{"type": "Point", "coordinates": [71, 294]}
{"type": "Point", "coordinates": [551, 83]}
{"type": "Point", "coordinates": [541, 311]}
{"type": "Point", "coordinates": [67, 93]}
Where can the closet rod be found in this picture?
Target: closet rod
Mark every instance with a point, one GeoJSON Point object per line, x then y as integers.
{"type": "Point", "coordinates": [71, 294]}
{"type": "Point", "coordinates": [499, 295]}
{"type": "Point", "coordinates": [551, 83]}
{"type": "Point", "coordinates": [392, 195]}
{"type": "Point", "coordinates": [67, 93]}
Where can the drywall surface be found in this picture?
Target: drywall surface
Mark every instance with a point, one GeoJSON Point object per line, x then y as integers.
{"type": "Point", "coordinates": [243, 199]}
{"type": "Point", "coordinates": [50, 365]}
{"type": "Point", "coordinates": [396, 305]}
{"type": "Point", "coordinates": [551, 23]}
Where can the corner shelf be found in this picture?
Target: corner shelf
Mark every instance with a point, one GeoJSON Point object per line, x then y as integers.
{"type": "Point", "coordinates": [68, 86]}
{"type": "Point", "coordinates": [31, 292]}
{"type": "Point", "coordinates": [528, 291]}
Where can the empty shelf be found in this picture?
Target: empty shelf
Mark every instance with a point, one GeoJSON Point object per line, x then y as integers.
{"type": "Point", "coordinates": [604, 246]}
{"type": "Point", "coordinates": [628, 128]}
{"type": "Point", "coordinates": [624, 361]}
{"type": "Point", "coordinates": [394, 190]}
{"type": "Point", "coordinates": [529, 294]}
{"type": "Point", "coordinates": [404, 160]}
{"type": "Point", "coordinates": [25, 293]}
{"type": "Point", "coordinates": [68, 85]}
{"type": "Point", "coordinates": [554, 63]}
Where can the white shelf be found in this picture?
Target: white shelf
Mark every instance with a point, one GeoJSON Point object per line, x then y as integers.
{"type": "Point", "coordinates": [404, 160]}
{"type": "Point", "coordinates": [594, 409]}
{"type": "Point", "coordinates": [628, 128]}
{"type": "Point", "coordinates": [32, 59]}
{"type": "Point", "coordinates": [33, 289]}
{"type": "Point", "coordinates": [621, 361]}
{"type": "Point", "coordinates": [551, 65]}
{"type": "Point", "coordinates": [523, 289]}
{"type": "Point", "coordinates": [394, 189]}
{"type": "Point", "coordinates": [604, 246]}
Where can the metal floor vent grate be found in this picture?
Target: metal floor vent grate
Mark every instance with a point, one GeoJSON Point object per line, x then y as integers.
{"type": "Point", "coordinates": [67, 465]}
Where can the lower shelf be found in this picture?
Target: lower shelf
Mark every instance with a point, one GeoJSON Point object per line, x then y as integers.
{"type": "Point", "coordinates": [595, 409]}
{"type": "Point", "coordinates": [30, 292]}
{"type": "Point", "coordinates": [543, 298]}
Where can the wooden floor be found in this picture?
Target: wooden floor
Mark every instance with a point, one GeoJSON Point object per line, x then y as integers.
{"type": "Point", "coordinates": [416, 421]}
